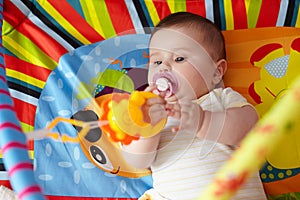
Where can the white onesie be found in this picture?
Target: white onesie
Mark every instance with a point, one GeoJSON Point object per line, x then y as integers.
{"type": "Point", "coordinates": [186, 165]}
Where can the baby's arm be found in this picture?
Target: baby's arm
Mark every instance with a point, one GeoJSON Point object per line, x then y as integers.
{"type": "Point", "coordinates": [229, 126]}
{"type": "Point", "coordinates": [141, 153]}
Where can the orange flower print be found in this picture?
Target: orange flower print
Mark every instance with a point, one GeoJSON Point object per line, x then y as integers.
{"type": "Point", "coordinates": [231, 184]}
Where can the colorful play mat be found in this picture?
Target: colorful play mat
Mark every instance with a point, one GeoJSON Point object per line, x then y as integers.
{"type": "Point", "coordinates": [59, 56]}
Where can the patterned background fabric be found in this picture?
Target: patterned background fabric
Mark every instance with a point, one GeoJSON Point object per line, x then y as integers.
{"type": "Point", "coordinates": [37, 33]}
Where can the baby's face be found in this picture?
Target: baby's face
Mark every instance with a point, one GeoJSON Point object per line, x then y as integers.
{"type": "Point", "coordinates": [176, 50]}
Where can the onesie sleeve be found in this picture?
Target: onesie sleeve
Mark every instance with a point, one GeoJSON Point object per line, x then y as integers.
{"type": "Point", "coordinates": [231, 98]}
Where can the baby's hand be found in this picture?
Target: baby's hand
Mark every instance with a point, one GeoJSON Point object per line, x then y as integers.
{"type": "Point", "coordinates": [189, 113]}
{"type": "Point", "coordinates": [154, 109]}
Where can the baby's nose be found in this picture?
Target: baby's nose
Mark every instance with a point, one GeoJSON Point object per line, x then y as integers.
{"type": "Point", "coordinates": [165, 67]}
{"type": "Point", "coordinates": [163, 70]}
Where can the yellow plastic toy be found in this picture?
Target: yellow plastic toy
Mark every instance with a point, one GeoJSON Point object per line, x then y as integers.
{"type": "Point", "coordinates": [123, 111]}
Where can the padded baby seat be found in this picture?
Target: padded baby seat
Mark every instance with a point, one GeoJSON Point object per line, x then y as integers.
{"type": "Point", "coordinates": [56, 56]}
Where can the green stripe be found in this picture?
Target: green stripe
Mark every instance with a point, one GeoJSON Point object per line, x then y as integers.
{"type": "Point", "coordinates": [253, 12]}
{"type": "Point", "coordinates": [39, 57]}
{"type": "Point", "coordinates": [116, 79]}
{"type": "Point", "coordinates": [179, 5]}
{"type": "Point", "coordinates": [26, 127]}
{"type": "Point", "coordinates": [102, 15]}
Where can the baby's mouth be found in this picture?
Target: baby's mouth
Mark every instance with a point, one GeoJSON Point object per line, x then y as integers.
{"type": "Point", "coordinates": [166, 82]}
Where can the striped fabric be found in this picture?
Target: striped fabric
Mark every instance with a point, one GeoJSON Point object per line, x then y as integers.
{"type": "Point", "coordinates": [36, 33]}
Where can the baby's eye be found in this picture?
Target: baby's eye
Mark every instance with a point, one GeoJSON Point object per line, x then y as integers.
{"type": "Point", "coordinates": [157, 62]}
{"type": "Point", "coordinates": [179, 59]}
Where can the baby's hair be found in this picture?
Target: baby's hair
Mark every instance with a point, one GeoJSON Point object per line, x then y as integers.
{"type": "Point", "coordinates": [210, 35]}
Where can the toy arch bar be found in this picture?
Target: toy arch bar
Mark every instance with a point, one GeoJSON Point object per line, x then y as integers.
{"type": "Point", "coordinates": [13, 141]}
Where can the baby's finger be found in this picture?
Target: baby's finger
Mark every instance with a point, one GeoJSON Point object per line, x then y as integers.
{"type": "Point", "coordinates": [150, 88]}
{"type": "Point", "coordinates": [175, 129]}
{"type": "Point", "coordinates": [156, 113]}
{"type": "Point", "coordinates": [155, 100]}
{"type": "Point", "coordinates": [171, 99]}
{"type": "Point", "coordinates": [173, 106]}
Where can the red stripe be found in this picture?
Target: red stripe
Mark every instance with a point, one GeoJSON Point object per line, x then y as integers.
{"type": "Point", "coordinates": [29, 69]}
{"type": "Point", "coordinates": [239, 14]}
{"type": "Point", "coordinates": [3, 78]}
{"type": "Point", "coordinates": [120, 17]}
{"type": "Point", "coordinates": [7, 106]}
{"type": "Point", "coordinates": [5, 183]}
{"type": "Point", "coordinates": [13, 145]}
{"type": "Point", "coordinates": [268, 13]}
{"type": "Point", "coordinates": [9, 125]}
{"type": "Point", "coordinates": [197, 7]}
{"type": "Point", "coordinates": [30, 145]}
{"type": "Point", "coordinates": [25, 111]}
{"type": "Point", "coordinates": [29, 190]}
{"type": "Point", "coordinates": [74, 18]}
{"type": "Point", "coordinates": [1, 64]}
{"type": "Point", "coordinates": [5, 92]}
{"type": "Point", "coordinates": [21, 23]}
{"type": "Point", "coordinates": [19, 167]}
{"type": "Point", "coordinates": [162, 8]}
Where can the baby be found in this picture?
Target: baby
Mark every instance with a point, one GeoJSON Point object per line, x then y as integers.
{"type": "Point", "coordinates": [205, 120]}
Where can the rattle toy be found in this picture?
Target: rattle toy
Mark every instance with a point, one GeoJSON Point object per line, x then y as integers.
{"type": "Point", "coordinates": [125, 117]}
{"type": "Point", "coordinates": [119, 115]}
{"type": "Point", "coordinates": [107, 122]}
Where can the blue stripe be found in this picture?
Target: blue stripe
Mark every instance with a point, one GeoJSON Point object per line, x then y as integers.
{"type": "Point", "coordinates": [282, 13]}
{"type": "Point", "coordinates": [134, 17]}
{"type": "Point", "coordinates": [147, 15]}
{"type": "Point", "coordinates": [222, 15]}
{"type": "Point", "coordinates": [209, 10]}
{"type": "Point", "coordinates": [295, 14]}
{"type": "Point", "coordinates": [56, 24]}
{"type": "Point", "coordinates": [4, 175]}
{"type": "Point", "coordinates": [24, 84]}
{"type": "Point", "coordinates": [77, 6]}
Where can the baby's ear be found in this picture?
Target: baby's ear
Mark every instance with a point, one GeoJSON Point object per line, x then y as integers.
{"type": "Point", "coordinates": [221, 67]}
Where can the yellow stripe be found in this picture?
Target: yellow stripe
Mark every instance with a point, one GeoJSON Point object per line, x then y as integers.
{"type": "Point", "coordinates": [25, 49]}
{"type": "Point", "coordinates": [62, 21]}
{"type": "Point", "coordinates": [18, 50]}
{"type": "Point", "coordinates": [30, 154]}
{"type": "Point", "coordinates": [247, 3]}
{"type": "Point", "coordinates": [26, 127]}
{"type": "Point", "coordinates": [105, 21]}
{"type": "Point", "coordinates": [171, 4]}
{"type": "Point", "coordinates": [90, 12]}
{"type": "Point", "coordinates": [152, 12]}
{"type": "Point", "coordinates": [298, 18]}
{"type": "Point", "coordinates": [25, 78]}
{"type": "Point", "coordinates": [177, 5]}
{"type": "Point", "coordinates": [228, 15]}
